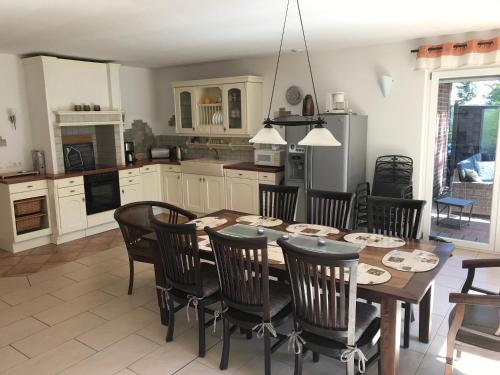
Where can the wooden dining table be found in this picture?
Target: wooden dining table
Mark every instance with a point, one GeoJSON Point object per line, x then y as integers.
{"type": "Point", "coordinates": [411, 287]}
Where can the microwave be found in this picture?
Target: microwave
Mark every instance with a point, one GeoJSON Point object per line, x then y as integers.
{"type": "Point", "coordinates": [271, 158]}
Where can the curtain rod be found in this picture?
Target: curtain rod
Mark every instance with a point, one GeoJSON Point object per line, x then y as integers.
{"type": "Point", "coordinates": [458, 45]}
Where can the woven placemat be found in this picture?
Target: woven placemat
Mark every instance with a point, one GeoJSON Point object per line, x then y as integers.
{"type": "Point", "coordinates": [208, 221]}
{"type": "Point", "coordinates": [367, 274]}
{"type": "Point", "coordinates": [375, 240]}
{"type": "Point", "coordinates": [312, 230]}
{"type": "Point", "coordinates": [259, 221]}
{"type": "Point", "coordinates": [415, 261]}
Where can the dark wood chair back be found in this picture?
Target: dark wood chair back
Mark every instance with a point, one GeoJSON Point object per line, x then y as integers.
{"type": "Point", "coordinates": [278, 201]}
{"type": "Point", "coordinates": [243, 268]}
{"type": "Point", "coordinates": [393, 176]}
{"type": "Point", "coordinates": [361, 205]}
{"type": "Point", "coordinates": [320, 301]}
{"type": "Point", "coordinates": [395, 216]}
{"type": "Point", "coordinates": [329, 208]}
{"type": "Point", "coordinates": [134, 219]}
{"type": "Point", "coordinates": [179, 255]}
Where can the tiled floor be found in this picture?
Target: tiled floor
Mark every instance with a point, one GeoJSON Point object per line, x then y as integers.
{"type": "Point", "coordinates": [76, 318]}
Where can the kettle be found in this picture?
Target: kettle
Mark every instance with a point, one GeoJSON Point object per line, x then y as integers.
{"type": "Point", "coordinates": [177, 153]}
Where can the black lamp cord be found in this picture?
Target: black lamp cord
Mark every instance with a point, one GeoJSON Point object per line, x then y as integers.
{"type": "Point", "coordinates": [279, 56]}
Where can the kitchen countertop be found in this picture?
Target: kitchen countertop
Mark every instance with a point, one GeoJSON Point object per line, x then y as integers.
{"type": "Point", "coordinates": [245, 166]}
{"type": "Point", "coordinates": [138, 164]}
{"type": "Point", "coordinates": [249, 166]}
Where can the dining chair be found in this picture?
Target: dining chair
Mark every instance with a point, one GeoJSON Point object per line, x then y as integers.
{"type": "Point", "coordinates": [396, 217]}
{"type": "Point", "coordinates": [474, 321]}
{"type": "Point", "coordinates": [278, 201]}
{"type": "Point", "coordinates": [189, 282]}
{"type": "Point", "coordinates": [329, 208]}
{"type": "Point", "coordinates": [134, 220]}
{"type": "Point", "coordinates": [250, 300]}
{"type": "Point", "coordinates": [327, 317]}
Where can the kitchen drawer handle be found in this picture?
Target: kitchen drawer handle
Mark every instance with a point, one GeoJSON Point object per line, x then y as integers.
{"type": "Point", "coordinates": [265, 176]}
{"type": "Point", "coordinates": [71, 182]}
{"type": "Point", "coordinates": [129, 172]}
{"type": "Point", "coordinates": [123, 191]}
{"type": "Point", "coordinates": [178, 177]}
{"type": "Point", "coordinates": [83, 199]}
{"type": "Point", "coordinates": [71, 191]}
{"type": "Point", "coordinates": [240, 174]}
{"type": "Point", "coordinates": [130, 180]}
{"type": "Point", "coordinates": [29, 186]}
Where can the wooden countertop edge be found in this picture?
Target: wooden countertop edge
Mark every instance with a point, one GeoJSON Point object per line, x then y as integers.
{"type": "Point", "coordinates": [18, 180]}
{"type": "Point", "coordinates": [249, 166]}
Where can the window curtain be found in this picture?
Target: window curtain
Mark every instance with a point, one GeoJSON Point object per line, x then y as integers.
{"type": "Point", "coordinates": [472, 53]}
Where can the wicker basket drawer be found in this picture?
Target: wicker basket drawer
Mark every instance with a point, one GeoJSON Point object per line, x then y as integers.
{"type": "Point", "coordinates": [28, 206]}
{"type": "Point", "coordinates": [29, 222]}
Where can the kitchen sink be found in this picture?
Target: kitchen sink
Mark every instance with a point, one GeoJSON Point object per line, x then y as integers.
{"type": "Point", "coordinates": [206, 167]}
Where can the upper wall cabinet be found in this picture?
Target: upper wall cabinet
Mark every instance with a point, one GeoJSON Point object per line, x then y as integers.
{"type": "Point", "coordinates": [219, 107]}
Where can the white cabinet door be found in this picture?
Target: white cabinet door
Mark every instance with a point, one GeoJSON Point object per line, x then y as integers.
{"type": "Point", "coordinates": [235, 108]}
{"type": "Point", "coordinates": [131, 193]}
{"type": "Point", "coordinates": [214, 193]}
{"type": "Point", "coordinates": [151, 186]}
{"type": "Point", "coordinates": [192, 192]}
{"type": "Point", "coordinates": [172, 188]}
{"type": "Point", "coordinates": [72, 213]}
{"type": "Point", "coordinates": [185, 114]}
{"type": "Point", "coordinates": [242, 195]}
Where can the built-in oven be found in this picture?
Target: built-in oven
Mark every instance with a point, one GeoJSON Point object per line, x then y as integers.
{"type": "Point", "coordinates": [102, 192]}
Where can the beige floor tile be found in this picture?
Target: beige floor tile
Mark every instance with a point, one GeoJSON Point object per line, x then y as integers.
{"type": "Point", "coordinates": [102, 256]}
{"type": "Point", "coordinates": [28, 308]}
{"type": "Point", "coordinates": [8, 284]}
{"type": "Point", "coordinates": [3, 305]}
{"type": "Point", "coordinates": [120, 287]}
{"type": "Point", "coordinates": [53, 361]}
{"type": "Point", "coordinates": [32, 292]}
{"type": "Point", "coordinates": [196, 368]}
{"type": "Point", "coordinates": [256, 367]}
{"type": "Point", "coordinates": [10, 357]}
{"type": "Point", "coordinates": [114, 358]}
{"type": "Point", "coordinates": [55, 272]}
{"type": "Point", "coordinates": [108, 266]}
{"type": "Point", "coordinates": [126, 371]}
{"type": "Point", "coordinates": [74, 307]}
{"type": "Point", "coordinates": [174, 355]}
{"type": "Point", "coordinates": [54, 336]}
{"type": "Point", "coordinates": [19, 330]}
{"type": "Point", "coordinates": [416, 345]}
{"type": "Point", "coordinates": [124, 304]}
{"type": "Point", "coordinates": [157, 332]}
{"type": "Point", "coordinates": [117, 329]}
{"type": "Point", "coordinates": [83, 287]}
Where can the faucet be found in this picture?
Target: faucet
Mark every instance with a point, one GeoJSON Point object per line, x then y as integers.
{"type": "Point", "coordinates": [217, 157]}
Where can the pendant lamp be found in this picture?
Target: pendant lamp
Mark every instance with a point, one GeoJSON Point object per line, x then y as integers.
{"type": "Point", "coordinates": [319, 135]}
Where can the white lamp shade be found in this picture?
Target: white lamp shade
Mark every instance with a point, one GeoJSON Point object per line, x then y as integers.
{"type": "Point", "coordinates": [319, 137]}
{"type": "Point", "coordinates": [268, 136]}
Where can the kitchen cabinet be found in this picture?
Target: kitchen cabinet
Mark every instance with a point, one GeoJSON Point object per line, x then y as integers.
{"type": "Point", "coordinates": [72, 213]}
{"type": "Point", "coordinates": [242, 188]}
{"type": "Point", "coordinates": [172, 188]}
{"type": "Point", "coordinates": [185, 114]}
{"type": "Point", "coordinates": [131, 193]}
{"type": "Point", "coordinates": [151, 182]}
{"type": "Point", "coordinates": [242, 195]}
{"type": "Point", "coordinates": [230, 106]}
{"type": "Point", "coordinates": [203, 193]}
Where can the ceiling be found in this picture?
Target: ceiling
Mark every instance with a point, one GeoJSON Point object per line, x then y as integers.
{"type": "Point", "coordinates": [157, 33]}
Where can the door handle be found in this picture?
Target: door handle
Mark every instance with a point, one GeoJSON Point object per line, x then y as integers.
{"type": "Point", "coordinates": [83, 199]}
{"type": "Point", "coordinates": [123, 191]}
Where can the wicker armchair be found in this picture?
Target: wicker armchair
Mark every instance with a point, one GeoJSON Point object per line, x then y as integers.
{"type": "Point", "coordinates": [479, 192]}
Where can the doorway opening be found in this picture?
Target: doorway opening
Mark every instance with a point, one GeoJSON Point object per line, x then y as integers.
{"type": "Point", "coordinates": [464, 158]}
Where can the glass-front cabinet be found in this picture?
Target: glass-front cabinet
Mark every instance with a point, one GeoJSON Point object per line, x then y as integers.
{"type": "Point", "coordinates": [234, 108]}
{"type": "Point", "coordinates": [184, 109]}
{"type": "Point", "coordinates": [230, 106]}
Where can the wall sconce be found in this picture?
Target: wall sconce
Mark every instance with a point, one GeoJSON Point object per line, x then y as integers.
{"type": "Point", "coordinates": [386, 83]}
{"type": "Point", "coordinates": [12, 117]}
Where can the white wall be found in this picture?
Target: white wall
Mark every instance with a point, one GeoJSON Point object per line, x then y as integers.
{"type": "Point", "coordinates": [17, 154]}
{"type": "Point", "coordinates": [395, 123]}
{"type": "Point", "coordinates": [138, 96]}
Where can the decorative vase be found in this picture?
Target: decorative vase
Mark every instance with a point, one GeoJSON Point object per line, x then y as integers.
{"type": "Point", "coordinates": [308, 106]}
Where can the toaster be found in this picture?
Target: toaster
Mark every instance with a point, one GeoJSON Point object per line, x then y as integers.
{"type": "Point", "coordinates": [159, 153]}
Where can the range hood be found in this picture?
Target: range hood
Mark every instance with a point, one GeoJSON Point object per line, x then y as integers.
{"type": "Point", "coordinates": [88, 118]}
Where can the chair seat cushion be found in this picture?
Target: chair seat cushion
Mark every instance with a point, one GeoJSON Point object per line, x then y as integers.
{"type": "Point", "coordinates": [365, 315]}
{"type": "Point", "coordinates": [479, 326]}
{"type": "Point", "coordinates": [279, 298]}
{"type": "Point", "coordinates": [210, 279]}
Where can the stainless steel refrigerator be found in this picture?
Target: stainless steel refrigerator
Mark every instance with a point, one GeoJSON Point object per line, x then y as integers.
{"type": "Point", "coordinates": [338, 168]}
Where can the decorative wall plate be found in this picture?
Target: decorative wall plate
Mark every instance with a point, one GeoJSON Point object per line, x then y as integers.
{"type": "Point", "coordinates": [294, 95]}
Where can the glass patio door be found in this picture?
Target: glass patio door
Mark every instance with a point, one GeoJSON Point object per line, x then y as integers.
{"type": "Point", "coordinates": [464, 182]}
